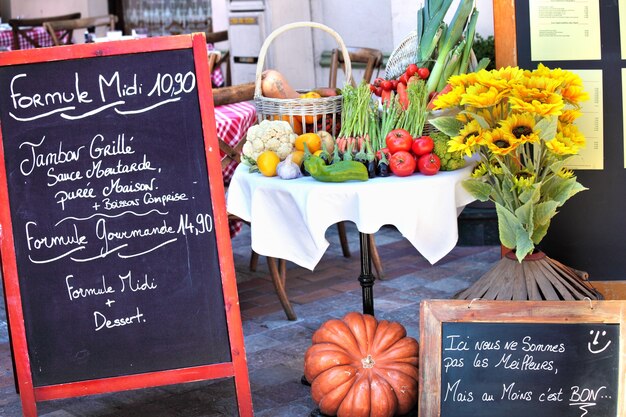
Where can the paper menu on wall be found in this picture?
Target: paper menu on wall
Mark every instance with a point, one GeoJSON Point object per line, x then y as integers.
{"type": "Point", "coordinates": [564, 30]}
{"type": "Point", "coordinates": [591, 123]}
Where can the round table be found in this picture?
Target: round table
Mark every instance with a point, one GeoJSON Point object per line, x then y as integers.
{"type": "Point", "coordinates": [289, 218]}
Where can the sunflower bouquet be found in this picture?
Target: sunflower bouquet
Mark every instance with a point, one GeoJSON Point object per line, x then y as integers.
{"type": "Point", "coordinates": [519, 125]}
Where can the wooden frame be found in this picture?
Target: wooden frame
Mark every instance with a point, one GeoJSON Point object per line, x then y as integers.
{"type": "Point", "coordinates": [435, 312]}
{"type": "Point", "coordinates": [237, 368]}
{"type": "Point", "coordinates": [505, 36]}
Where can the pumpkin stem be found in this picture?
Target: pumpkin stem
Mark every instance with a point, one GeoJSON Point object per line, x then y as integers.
{"type": "Point", "coordinates": [368, 362]}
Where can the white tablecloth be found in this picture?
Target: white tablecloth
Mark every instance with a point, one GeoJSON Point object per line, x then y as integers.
{"type": "Point", "coordinates": [289, 218]}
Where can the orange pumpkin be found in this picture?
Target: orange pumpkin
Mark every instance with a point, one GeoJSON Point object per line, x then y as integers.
{"type": "Point", "coordinates": [360, 367]}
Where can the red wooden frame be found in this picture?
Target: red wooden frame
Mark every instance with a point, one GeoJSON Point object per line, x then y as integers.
{"type": "Point", "coordinates": [30, 395]}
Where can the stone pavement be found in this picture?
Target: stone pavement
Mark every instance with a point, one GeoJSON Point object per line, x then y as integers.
{"type": "Point", "coordinates": [275, 346]}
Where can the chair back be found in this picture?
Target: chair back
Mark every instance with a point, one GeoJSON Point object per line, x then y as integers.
{"type": "Point", "coordinates": [372, 58]}
{"type": "Point", "coordinates": [69, 25]}
{"type": "Point", "coordinates": [224, 57]}
{"type": "Point", "coordinates": [20, 26]}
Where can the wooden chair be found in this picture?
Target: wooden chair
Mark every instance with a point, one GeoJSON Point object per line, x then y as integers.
{"type": "Point", "coordinates": [19, 26]}
{"type": "Point", "coordinates": [70, 25]}
{"type": "Point", "coordinates": [224, 57]}
{"type": "Point", "coordinates": [373, 60]}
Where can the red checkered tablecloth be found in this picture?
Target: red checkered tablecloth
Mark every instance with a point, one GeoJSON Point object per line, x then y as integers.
{"type": "Point", "coordinates": [38, 33]}
{"type": "Point", "coordinates": [232, 122]}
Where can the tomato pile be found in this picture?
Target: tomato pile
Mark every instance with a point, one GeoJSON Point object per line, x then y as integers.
{"type": "Point", "coordinates": [407, 155]}
{"type": "Point", "coordinates": [383, 88]}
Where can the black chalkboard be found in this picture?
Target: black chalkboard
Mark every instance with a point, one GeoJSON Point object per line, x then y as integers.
{"type": "Point", "coordinates": [522, 358]}
{"type": "Point", "coordinates": [112, 217]}
{"type": "Point", "coordinates": [522, 369]}
{"type": "Point", "coordinates": [588, 232]}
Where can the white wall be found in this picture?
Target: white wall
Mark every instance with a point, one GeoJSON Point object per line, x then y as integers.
{"type": "Point", "coordinates": [381, 24]}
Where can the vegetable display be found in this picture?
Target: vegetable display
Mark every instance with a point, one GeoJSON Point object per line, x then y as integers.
{"type": "Point", "coordinates": [361, 367]}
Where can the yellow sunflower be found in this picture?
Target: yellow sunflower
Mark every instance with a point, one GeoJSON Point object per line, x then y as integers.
{"type": "Point", "coordinates": [570, 115]}
{"type": "Point", "coordinates": [523, 180]}
{"type": "Point", "coordinates": [561, 145]}
{"type": "Point", "coordinates": [522, 127]}
{"type": "Point", "coordinates": [550, 104]}
{"type": "Point", "coordinates": [481, 96]}
{"type": "Point", "coordinates": [499, 142]}
{"type": "Point", "coordinates": [565, 173]}
{"type": "Point", "coordinates": [467, 140]}
{"type": "Point", "coordinates": [479, 170]}
{"type": "Point", "coordinates": [449, 99]}
{"type": "Point", "coordinates": [574, 94]}
{"type": "Point", "coordinates": [571, 135]}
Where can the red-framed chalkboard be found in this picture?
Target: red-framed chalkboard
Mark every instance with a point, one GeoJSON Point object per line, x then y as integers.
{"type": "Point", "coordinates": [116, 255]}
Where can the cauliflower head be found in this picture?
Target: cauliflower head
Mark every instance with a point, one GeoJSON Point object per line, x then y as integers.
{"type": "Point", "coordinates": [269, 135]}
{"type": "Point", "coordinates": [449, 161]}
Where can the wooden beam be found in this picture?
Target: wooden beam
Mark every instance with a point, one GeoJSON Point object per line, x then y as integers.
{"type": "Point", "coordinates": [505, 33]}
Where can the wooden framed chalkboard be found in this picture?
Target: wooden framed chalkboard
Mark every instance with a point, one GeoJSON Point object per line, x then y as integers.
{"type": "Point", "coordinates": [116, 256]}
{"type": "Point", "coordinates": [588, 232]}
{"type": "Point", "coordinates": [521, 358]}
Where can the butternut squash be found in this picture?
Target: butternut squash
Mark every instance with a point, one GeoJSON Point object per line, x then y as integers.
{"type": "Point", "coordinates": [274, 85]}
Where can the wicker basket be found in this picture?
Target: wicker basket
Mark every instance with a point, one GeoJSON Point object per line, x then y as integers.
{"type": "Point", "coordinates": [325, 110]}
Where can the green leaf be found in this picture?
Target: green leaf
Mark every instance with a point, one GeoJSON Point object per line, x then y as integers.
{"type": "Point", "coordinates": [547, 126]}
{"type": "Point", "coordinates": [480, 119]}
{"type": "Point", "coordinates": [524, 246]}
{"type": "Point", "coordinates": [533, 194]}
{"type": "Point", "coordinates": [543, 212]}
{"type": "Point", "coordinates": [477, 188]}
{"type": "Point", "coordinates": [561, 189]}
{"type": "Point", "coordinates": [254, 168]}
{"type": "Point", "coordinates": [512, 233]}
{"type": "Point", "coordinates": [524, 214]}
{"type": "Point", "coordinates": [508, 226]}
{"type": "Point", "coordinates": [540, 232]}
{"type": "Point", "coordinates": [448, 125]}
{"type": "Point", "coordinates": [482, 64]}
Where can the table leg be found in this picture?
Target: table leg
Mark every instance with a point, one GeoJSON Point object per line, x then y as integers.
{"type": "Point", "coordinates": [366, 278]}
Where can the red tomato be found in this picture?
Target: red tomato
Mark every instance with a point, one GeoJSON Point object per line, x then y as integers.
{"type": "Point", "coordinates": [386, 85]}
{"type": "Point", "coordinates": [402, 164]}
{"type": "Point", "coordinates": [378, 81]}
{"type": "Point", "coordinates": [404, 78]}
{"type": "Point", "coordinates": [412, 69]}
{"type": "Point", "coordinates": [379, 91]}
{"type": "Point", "coordinates": [379, 154]}
{"type": "Point", "coordinates": [372, 88]}
{"type": "Point", "coordinates": [429, 164]}
{"type": "Point", "coordinates": [423, 73]}
{"type": "Point", "coordinates": [423, 145]}
{"type": "Point", "coordinates": [394, 84]}
{"type": "Point", "coordinates": [398, 140]}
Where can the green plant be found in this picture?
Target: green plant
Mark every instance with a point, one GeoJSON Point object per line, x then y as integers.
{"type": "Point", "coordinates": [485, 48]}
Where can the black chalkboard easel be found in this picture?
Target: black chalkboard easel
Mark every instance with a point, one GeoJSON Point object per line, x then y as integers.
{"type": "Point", "coordinates": [116, 254]}
{"type": "Point", "coordinates": [520, 358]}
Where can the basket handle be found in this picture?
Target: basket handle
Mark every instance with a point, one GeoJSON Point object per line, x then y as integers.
{"type": "Point", "coordinates": [289, 26]}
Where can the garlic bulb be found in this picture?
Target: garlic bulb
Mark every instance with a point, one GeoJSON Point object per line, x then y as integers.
{"type": "Point", "coordinates": [287, 169]}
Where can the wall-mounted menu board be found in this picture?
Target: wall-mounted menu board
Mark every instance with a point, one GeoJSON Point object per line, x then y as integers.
{"type": "Point", "coordinates": [582, 36]}
{"type": "Point", "coordinates": [117, 261]}
{"type": "Point", "coordinates": [515, 359]}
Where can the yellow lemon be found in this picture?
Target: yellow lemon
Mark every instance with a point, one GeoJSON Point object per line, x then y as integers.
{"type": "Point", "coordinates": [312, 140]}
{"type": "Point", "coordinates": [267, 163]}
{"type": "Point", "coordinates": [297, 157]}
